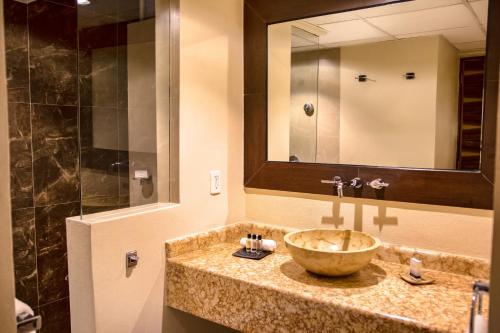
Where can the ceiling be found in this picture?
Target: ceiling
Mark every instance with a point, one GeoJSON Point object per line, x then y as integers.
{"type": "Point", "coordinates": [462, 22]}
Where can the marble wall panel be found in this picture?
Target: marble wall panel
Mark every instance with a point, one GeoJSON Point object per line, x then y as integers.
{"type": "Point", "coordinates": [53, 53]}
{"type": "Point", "coordinates": [16, 47]}
{"type": "Point", "coordinates": [21, 176]}
{"type": "Point", "coordinates": [55, 154]}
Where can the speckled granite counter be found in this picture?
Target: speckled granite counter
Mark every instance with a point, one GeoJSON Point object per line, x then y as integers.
{"type": "Point", "coordinates": [277, 295]}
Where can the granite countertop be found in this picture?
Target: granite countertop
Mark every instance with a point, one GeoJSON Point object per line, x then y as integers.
{"type": "Point", "coordinates": [276, 294]}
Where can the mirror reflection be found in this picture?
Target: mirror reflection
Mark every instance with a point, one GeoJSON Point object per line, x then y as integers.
{"type": "Point", "coordinates": [398, 85]}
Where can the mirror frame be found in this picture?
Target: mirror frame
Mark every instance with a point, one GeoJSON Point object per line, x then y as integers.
{"type": "Point", "coordinates": [473, 189]}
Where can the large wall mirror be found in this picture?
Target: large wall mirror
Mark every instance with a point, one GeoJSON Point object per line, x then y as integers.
{"type": "Point", "coordinates": [395, 86]}
{"type": "Point", "coordinates": [405, 91]}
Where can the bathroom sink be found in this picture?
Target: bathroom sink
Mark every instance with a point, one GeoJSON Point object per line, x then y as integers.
{"type": "Point", "coordinates": [331, 252]}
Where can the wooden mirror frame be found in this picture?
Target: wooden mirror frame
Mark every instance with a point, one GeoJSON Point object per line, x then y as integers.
{"type": "Point", "coordinates": [472, 189]}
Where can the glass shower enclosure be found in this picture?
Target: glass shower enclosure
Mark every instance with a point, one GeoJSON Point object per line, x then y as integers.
{"type": "Point", "coordinates": [124, 103]}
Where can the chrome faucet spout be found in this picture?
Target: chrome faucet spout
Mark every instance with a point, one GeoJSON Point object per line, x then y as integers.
{"type": "Point", "coordinates": [340, 190]}
{"type": "Point", "coordinates": [337, 181]}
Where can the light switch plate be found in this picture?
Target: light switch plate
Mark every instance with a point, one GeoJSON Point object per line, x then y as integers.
{"type": "Point", "coordinates": [215, 182]}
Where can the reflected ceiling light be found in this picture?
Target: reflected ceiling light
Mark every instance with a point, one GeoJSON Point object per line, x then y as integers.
{"type": "Point", "coordinates": [83, 2]}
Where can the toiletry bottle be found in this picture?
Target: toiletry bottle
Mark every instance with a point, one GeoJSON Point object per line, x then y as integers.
{"type": "Point", "coordinates": [416, 268]}
{"type": "Point", "coordinates": [248, 243]}
{"type": "Point", "coordinates": [259, 243]}
{"type": "Point", "coordinates": [254, 243]}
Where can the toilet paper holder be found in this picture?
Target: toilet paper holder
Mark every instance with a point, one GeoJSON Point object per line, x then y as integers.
{"type": "Point", "coordinates": [29, 323]}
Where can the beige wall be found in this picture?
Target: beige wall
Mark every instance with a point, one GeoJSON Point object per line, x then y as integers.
{"type": "Point", "coordinates": [279, 77]}
{"type": "Point", "coordinates": [7, 316]}
{"type": "Point", "coordinates": [447, 105]}
{"type": "Point", "coordinates": [449, 229]}
{"type": "Point", "coordinates": [328, 135]}
{"type": "Point", "coordinates": [390, 122]}
{"type": "Point", "coordinates": [211, 137]}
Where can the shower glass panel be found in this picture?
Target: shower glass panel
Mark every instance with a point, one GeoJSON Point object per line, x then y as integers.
{"type": "Point", "coordinates": [303, 96]}
{"type": "Point", "coordinates": [124, 103]}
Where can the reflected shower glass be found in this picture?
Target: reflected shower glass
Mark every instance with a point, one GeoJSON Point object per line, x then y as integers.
{"type": "Point", "coordinates": [303, 96]}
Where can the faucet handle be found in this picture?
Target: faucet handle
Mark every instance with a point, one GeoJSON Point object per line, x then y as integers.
{"type": "Point", "coordinates": [356, 183]}
{"type": "Point", "coordinates": [377, 184]}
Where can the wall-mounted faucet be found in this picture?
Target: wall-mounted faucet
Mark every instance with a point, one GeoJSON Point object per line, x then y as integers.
{"type": "Point", "coordinates": [355, 183]}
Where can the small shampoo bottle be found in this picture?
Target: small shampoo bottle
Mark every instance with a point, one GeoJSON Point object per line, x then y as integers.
{"type": "Point", "coordinates": [248, 243]}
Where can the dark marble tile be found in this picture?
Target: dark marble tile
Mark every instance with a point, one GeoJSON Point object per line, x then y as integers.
{"type": "Point", "coordinates": [23, 230]}
{"type": "Point", "coordinates": [53, 53]}
{"type": "Point", "coordinates": [56, 317]}
{"type": "Point", "coordinates": [98, 66]}
{"type": "Point", "coordinates": [105, 129]}
{"type": "Point", "coordinates": [71, 3]}
{"type": "Point", "coordinates": [124, 179]}
{"type": "Point", "coordinates": [122, 73]}
{"type": "Point", "coordinates": [16, 51]}
{"type": "Point", "coordinates": [26, 276]}
{"type": "Point", "coordinates": [51, 224]}
{"type": "Point", "coordinates": [16, 24]}
{"type": "Point", "coordinates": [100, 181]}
{"type": "Point", "coordinates": [55, 154]}
{"type": "Point", "coordinates": [17, 75]}
{"type": "Point", "coordinates": [21, 178]}
{"type": "Point", "coordinates": [52, 264]}
{"type": "Point", "coordinates": [98, 85]}
{"type": "Point", "coordinates": [86, 127]}
{"type": "Point", "coordinates": [85, 77]}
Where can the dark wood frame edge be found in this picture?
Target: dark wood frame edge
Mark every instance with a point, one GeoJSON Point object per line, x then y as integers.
{"type": "Point", "coordinates": [473, 189]}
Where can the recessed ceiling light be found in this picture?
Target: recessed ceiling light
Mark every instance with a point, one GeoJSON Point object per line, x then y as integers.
{"type": "Point", "coordinates": [83, 2]}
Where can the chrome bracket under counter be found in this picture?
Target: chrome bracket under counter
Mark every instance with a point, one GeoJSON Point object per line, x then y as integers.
{"type": "Point", "coordinates": [479, 289]}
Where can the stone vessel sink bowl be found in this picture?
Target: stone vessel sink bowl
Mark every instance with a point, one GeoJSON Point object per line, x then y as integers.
{"type": "Point", "coordinates": [332, 252]}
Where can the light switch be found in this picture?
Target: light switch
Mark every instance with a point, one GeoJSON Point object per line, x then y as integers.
{"type": "Point", "coordinates": [215, 182]}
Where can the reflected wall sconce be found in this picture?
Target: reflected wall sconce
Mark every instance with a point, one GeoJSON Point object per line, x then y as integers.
{"type": "Point", "coordinates": [409, 76]}
{"type": "Point", "coordinates": [363, 78]}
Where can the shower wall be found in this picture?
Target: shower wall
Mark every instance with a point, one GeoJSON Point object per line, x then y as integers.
{"type": "Point", "coordinates": [103, 113]}
{"type": "Point", "coordinates": [117, 84]}
{"type": "Point", "coordinates": [78, 77]}
{"type": "Point", "coordinates": [41, 54]}
{"type": "Point", "coordinates": [315, 78]}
